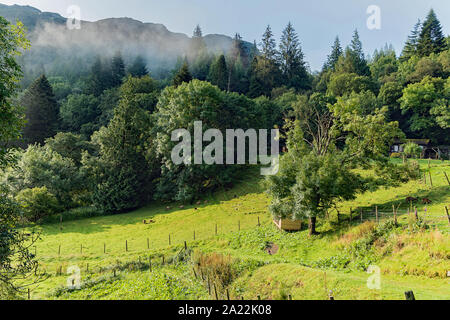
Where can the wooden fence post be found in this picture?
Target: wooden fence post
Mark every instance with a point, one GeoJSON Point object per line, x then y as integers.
{"type": "Point", "coordinates": [395, 215]}
{"type": "Point", "coordinates": [185, 246]}
{"type": "Point", "coordinates": [431, 180]}
{"type": "Point", "coordinates": [150, 264]}
{"type": "Point", "coordinates": [215, 291]}
{"type": "Point", "coordinates": [104, 248]}
{"type": "Point", "coordinates": [410, 296]}
{"type": "Point", "coordinates": [59, 250]}
{"type": "Point", "coordinates": [376, 213]}
{"type": "Point", "coordinates": [216, 230]}
{"type": "Point", "coordinates": [29, 294]}
{"type": "Point", "coordinates": [448, 215]}
{"type": "Point", "coordinates": [351, 212]}
{"type": "Point", "coordinates": [259, 222]}
{"type": "Point", "coordinates": [228, 294]}
{"type": "Point", "coordinates": [81, 249]}
{"type": "Point", "coordinates": [170, 242]}
{"type": "Point", "coordinates": [194, 235]}
{"type": "Point", "coordinates": [239, 225]}
{"type": "Point", "coordinates": [446, 176]}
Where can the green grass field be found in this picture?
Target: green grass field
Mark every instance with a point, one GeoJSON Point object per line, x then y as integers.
{"type": "Point", "coordinates": [304, 267]}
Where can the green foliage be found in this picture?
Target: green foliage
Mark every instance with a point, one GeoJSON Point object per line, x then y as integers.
{"type": "Point", "coordinates": [218, 73]}
{"type": "Point", "coordinates": [138, 68]}
{"type": "Point", "coordinates": [425, 100]}
{"type": "Point", "coordinates": [431, 38]}
{"type": "Point", "coordinates": [179, 108]}
{"type": "Point", "coordinates": [37, 203]}
{"type": "Point", "coordinates": [183, 75]}
{"type": "Point", "coordinates": [121, 172]}
{"type": "Point", "coordinates": [70, 146]}
{"type": "Point", "coordinates": [41, 112]}
{"type": "Point", "coordinates": [333, 58]}
{"type": "Point", "coordinates": [79, 114]}
{"type": "Point", "coordinates": [39, 167]}
{"type": "Point", "coordinates": [17, 263]}
{"type": "Point", "coordinates": [412, 150]}
{"type": "Point", "coordinates": [291, 60]}
{"type": "Point", "coordinates": [13, 40]}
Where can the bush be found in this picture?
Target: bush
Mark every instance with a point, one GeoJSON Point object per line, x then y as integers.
{"type": "Point", "coordinates": [396, 155]}
{"type": "Point", "coordinates": [37, 203]}
{"type": "Point", "coordinates": [412, 150]}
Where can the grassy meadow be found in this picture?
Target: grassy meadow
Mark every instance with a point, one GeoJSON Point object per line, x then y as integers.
{"type": "Point", "coordinates": [120, 257]}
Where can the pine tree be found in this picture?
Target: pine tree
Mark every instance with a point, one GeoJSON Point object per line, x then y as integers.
{"type": "Point", "coordinates": [336, 52]}
{"type": "Point", "coordinates": [138, 68]}
{"type": "Point", "coordinates": [237, 62]}
{"type": "Point", "coordinates": [183, 75]}
{"type": "Point", "coordinates": [411, 44]}
{"type": "Point", "coordinates": [358, 57]}
{"type": "Point", "coordinates": [431, 38]}
{"type": "Point", "coordinates": [99, 78]}
{"type": "Point", "coordinates": [198, 55]}
{"type": "Point", "coordinates": [41, 112]}
{"type": "Point", "coordinates": [218, 74]}
{"type": "Point", "coordinates": [268, 45]}
{"type": "Point", "coordinates": [117, 70]}
{"type": "Point", "coordinates": [291, 59]}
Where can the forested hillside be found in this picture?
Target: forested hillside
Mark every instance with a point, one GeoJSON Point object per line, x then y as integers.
{"type": "Point", "coordinates": [88, 131]}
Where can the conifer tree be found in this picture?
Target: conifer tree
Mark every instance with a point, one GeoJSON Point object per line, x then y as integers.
{"type": "Point", "coordinates": [291, 59]}
{"type": "Point", "coordinates": [183, 75]}
{"type": "Point", "coordinates": [431, 38]}
{"type": "Point", "coordinates": [218, 74]}
{"type": "Point", "coordinates": [268, 45]}
{"type": "Point", "coordinates": [198, 55]}
{"type": "Point", "coordinates": [358, 57]}
{"type": "Point", "coordinates": [41, 112]}
{"type": "Point", "coordinates": [138, 68]}
{"type": "Point", "coordinates": [411, 44]}
{"type": "Point", "coordinates": [98, 79]}
{"type": "Point", "coordinates": [336, 52]}
{"type": "Point", "coordinates": [117, 70]}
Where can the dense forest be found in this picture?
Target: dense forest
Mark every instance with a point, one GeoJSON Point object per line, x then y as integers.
{"type": "Point", "coordinates": [104, 139]}
{"type": "Point", "coordinates": [97, 135]}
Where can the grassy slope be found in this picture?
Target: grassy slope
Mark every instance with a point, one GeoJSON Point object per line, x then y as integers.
{"type": "Point", "coordinates": [427, 260]}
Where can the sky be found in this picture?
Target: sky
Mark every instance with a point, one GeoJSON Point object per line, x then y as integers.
{"type": "Point", "coordinates": [317, 22]}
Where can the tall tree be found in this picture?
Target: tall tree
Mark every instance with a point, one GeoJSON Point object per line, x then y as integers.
{"type": "Point", "coordinates": [117, 70]}
{"type": "Point", "coordinates": [237, 62]}
{"type": "Point", "coordinates": [431, 38]}
{"type": "Point", "coordinates": [198, 55]}
{"type": "Point", "coordinates": [336, 53]}
{"type": "Point", "coordinates": [138, 68]}
{"type": "Point", "coordinates": [268, 45]}
{"type": "Point", "coordinates": [411, 44]}
{"type": "Point", "coordinates": [121, 173]}
{"type": "Point", "coordinates": [218, 74]}
{"type": "Point", "coordinates": [17, 263]}
{"type": "Point", "coordinates": [183, 75]}
{"type": "Point", "coordinates": [358, 56]}
{"type": "Point", "coordinates": [41, 112]}
{"type": "Point", "coordinates": [291, 59]}
{"type": "Point", "coordinates": [99, 78]}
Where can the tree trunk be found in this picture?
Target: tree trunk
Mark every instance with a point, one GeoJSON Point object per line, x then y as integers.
{"type": "Point", "coordinates": [312, 226]}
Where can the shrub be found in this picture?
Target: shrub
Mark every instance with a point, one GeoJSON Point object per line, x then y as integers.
{"type": "Point", "coordinates": [218, 267]}
{"type": "Point", "coordinates": [37, 203]}
{"type": "Point", "coordinates": [396, 155]}
{"type": "Point", "coordinates": [412, 150]}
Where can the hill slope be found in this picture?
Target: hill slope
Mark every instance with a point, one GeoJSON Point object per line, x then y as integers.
{"type": "Point", "coordinates": [53, 43]}
{"type": "Point", "coordinates": [409, 256]}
